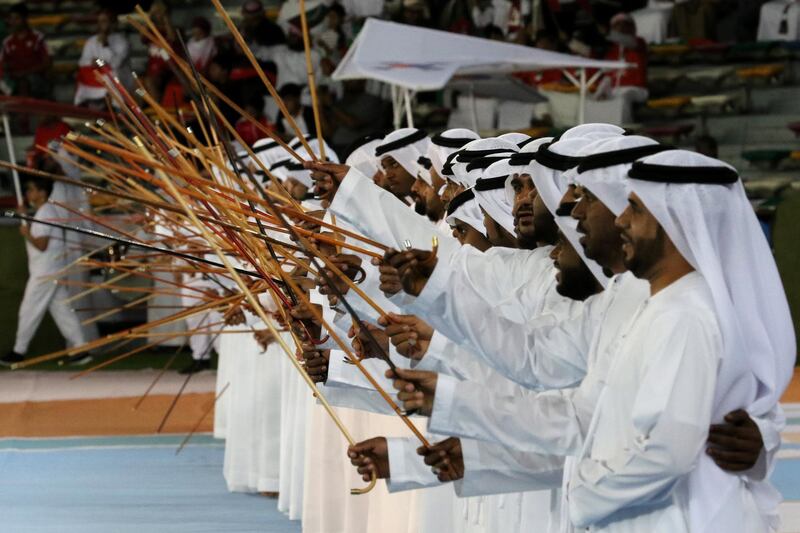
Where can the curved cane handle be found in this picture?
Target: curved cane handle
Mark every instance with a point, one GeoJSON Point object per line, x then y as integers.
{"type": "Point", "coordinates": [372, 483]}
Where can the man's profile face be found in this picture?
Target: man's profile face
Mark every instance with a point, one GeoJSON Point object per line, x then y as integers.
{"type": "Point", "coordinates": [573, 278]}
{"type": "Point", "coordinates": [601, 238]}
{"type": "Point", "coordinates": [399, 179]}
{"type": "Point", "coordinates": [523, 206]}
{"type": "Point", "coordinates": [451, 191]}
{"type": "Point", "coordinates": [466, 234]}
{"type": "Point", "coordinates": [643, 238]}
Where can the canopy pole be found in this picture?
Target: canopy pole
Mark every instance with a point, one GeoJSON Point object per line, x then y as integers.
{"type": "Point", "coordinates": [582, 108]}
{"type": "Point", "coordinates": [473, 108]}
{"type": "Point", "coordinates": [12, 157]}
{"type": "Point", "coordinates": [536, 9]}
{"type": "Point", "coordinates": [409, 114]}
{"type": "Point", "coordinates": [397, 113]}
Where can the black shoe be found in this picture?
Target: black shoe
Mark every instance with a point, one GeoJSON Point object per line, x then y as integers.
{"type": "Point", "coordinates": [11, 358]}
{"type": "Point", "coordinates": [79, 360]}
{"type": "Point", "coordinates": [198, 365]}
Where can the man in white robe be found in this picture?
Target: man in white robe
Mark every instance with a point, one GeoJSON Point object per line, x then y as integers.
{"type": "Point", "coordinates": [534, 442]}
{"type": "Point", "coordinates": [682, 361]}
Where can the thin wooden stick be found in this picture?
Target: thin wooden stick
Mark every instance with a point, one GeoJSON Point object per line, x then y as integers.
{"type": "Point", "coordinates": [155, 35]}
{"type": "Point", "coordinates": [256, 305]}
{"type": "Point", "coordinates": [97, 343]}
{"type": "Point", "coordinates": [174, 402]}
{"type": "Point", "coordinates": [119, 309]}
{"type": "Point", "coordinates": [312, 86]}
{"type": "Point", "coordinates": [161, 373]}
{"type": "Point", "coordinates": [254, 62]}
{"type": "Point", "coordinates": [93, 287]}
{"type": "Point", "coordinates": [202, 417]}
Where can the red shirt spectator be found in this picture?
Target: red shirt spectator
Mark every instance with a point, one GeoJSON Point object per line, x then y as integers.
{"type": "Point", "coordinates": [50, 129]}
{"type": "Point", "coordinates": [24, 60]}
{"type": "Point", "coordinates": [24, 52]}
{"type": "Point", "coordinates": [636, 75]}
{"type": "Point", "coordinates": [249, 132]}
{"type": "Point", "coordinates": [629, 48]}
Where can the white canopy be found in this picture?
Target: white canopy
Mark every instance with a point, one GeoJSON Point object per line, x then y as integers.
{"type": "Point", "coordinates": [421, 59]}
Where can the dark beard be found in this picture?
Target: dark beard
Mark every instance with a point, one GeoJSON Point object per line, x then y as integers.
{"type": "Point", "coordinates": [577, 284]}
{"type": "Point", "coordinates": [646, 253]}
{"type": "Point", "coordinates": [526, 242]}
{"type": "Point", "coordinates": [419, 208]}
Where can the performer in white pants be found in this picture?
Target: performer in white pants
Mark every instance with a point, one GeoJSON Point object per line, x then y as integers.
{"type": "Point", "coordinates": [45, 246]}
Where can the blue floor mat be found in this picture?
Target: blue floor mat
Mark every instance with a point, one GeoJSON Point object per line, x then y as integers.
{"type": "Point", "coordinates": [122, 485]}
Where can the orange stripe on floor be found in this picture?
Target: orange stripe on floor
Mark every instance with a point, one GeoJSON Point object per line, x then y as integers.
{"type": "Point", "coordinates": [107, 416]}
{"type": "Point", "coordinates": [792, 394]}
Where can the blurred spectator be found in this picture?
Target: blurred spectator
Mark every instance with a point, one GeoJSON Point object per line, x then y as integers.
{"type": "Point", "coordinates": [157, 72]}
{"type": "Point", "coordinates": [483, 15]}
{"type": "Point", "coordinates": [202, 46]}
{"type": "Point", "coordinates": [545, 40]}
{"type": "Point", "coordinates": [359, 9]}
{"type": "Point", "coordinates": [415, 13]}
{"type": "Point", "coordinates": [248, 131]}
{"type": "Point", "coordinates": [630, 84]}
{"type": "Point", "coordinates": [260, 33]}
{"type": "Point", "coordinates": [110, 46]}
{"type": "Point", "coordinates": [695, 19]}
{"type": "Point", "coordinates": [494, 33]}
{"type": "Point", "coordinates": [24, 58]}
{"type": "Point", "coordinates": [626, 46]}
{"type": "Point", "coordinates": [330, 36]}
{"type": "Point", "coordinates": [303, 116]}
{"type": "Point", "coordinates": [290, 59]}
{"type": "Point", "coordinates": [357, 114]}
{"type": "Point", "coordinates": [706, 145]}
{"type": "Point", "coordinates": [513, 20]}
{"type": "Point", "coordinates": [779, 20]}
{"type": "Point", "coordinates": [50, 128]}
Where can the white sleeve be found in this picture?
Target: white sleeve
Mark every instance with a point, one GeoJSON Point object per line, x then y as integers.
{"type": "Point", "coordinates": [770, 426]}
{"type": "Point", "coordinates": [544, 353]}
{"type": "Point", "coordinates": [493, 469]}
{"type": "Point", "coordinates": [670, 418]}
{"type": "Point", "coordinates": [48, 213]}
{"type": "Point", "coordinates": [407, 470]}
{"type": "Point", "coordinates": [380, 216]}
{"type": "Point", "coordinates": [446, 357]}
{"type": "Point", "coordinates": [551, 422]}
{"type": "Point", "coordinates": [353, 398]}
{"type": "Point", "coordinates": [119, 51]}
{"type": "Point", "coordinates": [341, 373]}
{"type": "Point", "coordinates": [370, 286]}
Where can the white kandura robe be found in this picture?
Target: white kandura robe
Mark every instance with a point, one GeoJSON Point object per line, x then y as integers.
{"type": "Point", "coordinates": [227, 348]}
{"type": "Point", "coordinates": [241, 448]}
{"type": "Point", "coordinates": [394, 223]}
{"type": "Point", "coordinates": [553, 421]}
{"type": "Point", "coordinates": [648, 433]}
{"type": "Point", "coordinates": [327, 506]}
{"type": "Point", "coordinates": [296, 402]}
{"type": "Point", "coordinates": [267, 398]}
{"type": "Point", "coordinates": [226, 361]}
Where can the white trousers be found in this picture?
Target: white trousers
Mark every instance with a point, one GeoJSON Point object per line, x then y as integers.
{"type": "Point", "coordinates": [39, 298]}
{"type": "Point", "coordinates": [201, 343]}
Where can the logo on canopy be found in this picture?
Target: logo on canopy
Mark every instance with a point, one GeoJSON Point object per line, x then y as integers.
{"type": "Point", "coordinates": [392, 65]}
